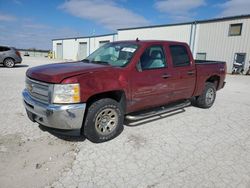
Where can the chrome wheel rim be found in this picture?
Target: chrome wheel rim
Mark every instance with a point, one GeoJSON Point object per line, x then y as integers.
{"type": "Point", "coordinates": [9, 63]}
{"type": "Point", "coordinates": [210, 96]}
{"type": "Point", "coordinates": [106, 121]}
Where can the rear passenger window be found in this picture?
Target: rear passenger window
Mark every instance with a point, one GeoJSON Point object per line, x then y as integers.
{"type": "Point", "coordinates": [180, 56]}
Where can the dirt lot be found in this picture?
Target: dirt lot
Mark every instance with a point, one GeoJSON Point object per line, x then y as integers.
{"type": "Point", "coordinates": [191, 148]}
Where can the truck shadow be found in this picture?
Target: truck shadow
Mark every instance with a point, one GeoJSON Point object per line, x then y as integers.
{"type": "Point", "coordinates": [20, 66]}
{"type": "Point", "coordinates": [130, 123]}
{"type": "Point", "coordinates": [67, 136]}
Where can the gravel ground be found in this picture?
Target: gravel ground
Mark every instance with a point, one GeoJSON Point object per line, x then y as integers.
{"type": "Point", "coordinates": [29, 157]}
{"type": "Point", "coordinates": [191, 148]}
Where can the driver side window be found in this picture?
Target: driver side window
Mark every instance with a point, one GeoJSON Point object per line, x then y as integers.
{"type": "Point", "coordinates": [153, 58]}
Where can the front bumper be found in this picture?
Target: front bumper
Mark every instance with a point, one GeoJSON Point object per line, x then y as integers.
{"type": "Point", "coordinates": [64, 117]}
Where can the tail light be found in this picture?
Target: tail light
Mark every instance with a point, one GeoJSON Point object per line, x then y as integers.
{"type": "Point", "coordinates": [18, 53]}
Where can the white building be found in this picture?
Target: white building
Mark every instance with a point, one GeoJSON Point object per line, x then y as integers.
{"type": "Point", "coordinates": [33, 52]}
{"type": "Point", "coordinates": [225, 39]}
{"type": "Point", "coordinates": [79, 47]}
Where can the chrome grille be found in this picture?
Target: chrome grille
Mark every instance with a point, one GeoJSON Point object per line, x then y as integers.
{"type": "Point", "coordinates": [38, 90]}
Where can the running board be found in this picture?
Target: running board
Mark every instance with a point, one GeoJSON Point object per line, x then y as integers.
{"type": "Point", "coordinates": [158, 111]}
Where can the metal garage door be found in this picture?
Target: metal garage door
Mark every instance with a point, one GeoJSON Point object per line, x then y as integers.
{"type": "Point", "coordinates": [59, 51]}
{"type": "Point", "coordinates": [82, 50]}
{"type": "Point", "coordinates": [101, 43]}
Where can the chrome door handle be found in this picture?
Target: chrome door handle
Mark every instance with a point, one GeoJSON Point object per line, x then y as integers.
{"type": "Point", "coordinates": [190, 72]}
{"type": "Point", "coordinates": [165, 76]}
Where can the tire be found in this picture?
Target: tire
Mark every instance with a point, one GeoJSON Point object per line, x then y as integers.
{"type": "Point", "coordinates": [9, 62]}
{"type": "Point", "coordinates": [207, 98]}
{"type": "Point", "coordinates": [234, 71]}
{"type": "Point", "coordinates": [104, 120]}
{"type": "Point", "coordinates": [248, 72]}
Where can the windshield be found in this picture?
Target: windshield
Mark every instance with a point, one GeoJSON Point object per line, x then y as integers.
{"type": "Point", "coordinates": [114, 54]}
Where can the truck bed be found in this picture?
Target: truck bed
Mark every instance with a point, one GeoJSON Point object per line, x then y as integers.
{"type": "Point", "coordinates": [209, 62]}
{"type": "Point", "coordinates": [207, 69]}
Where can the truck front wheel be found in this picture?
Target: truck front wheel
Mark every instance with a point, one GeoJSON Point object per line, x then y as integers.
{"type": "Point", "coordinates": [104, 120]}
{"type": "Point", "coordinates": [207, 98]}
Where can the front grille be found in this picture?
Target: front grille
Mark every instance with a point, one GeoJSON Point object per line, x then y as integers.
{"type": "Point", "coordinates": [38, 90]}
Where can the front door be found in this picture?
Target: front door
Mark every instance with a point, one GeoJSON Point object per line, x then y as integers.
{"type": "Point", "coordinates": [151, 84]}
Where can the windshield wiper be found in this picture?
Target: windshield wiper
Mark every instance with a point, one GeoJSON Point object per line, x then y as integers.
{"type": "Point", "coordinates": [96, 62]}
{"type": "Point", "coordinates": [86, 60]}
{"type": "Point", "coordinates": [100, 62]}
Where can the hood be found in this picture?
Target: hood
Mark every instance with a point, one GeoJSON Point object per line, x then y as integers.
{"type": "Point", "coordinates": [55, 73]}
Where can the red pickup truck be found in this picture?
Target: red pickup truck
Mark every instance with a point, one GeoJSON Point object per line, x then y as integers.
{"type": "Point", "coordinates": [121, 80]}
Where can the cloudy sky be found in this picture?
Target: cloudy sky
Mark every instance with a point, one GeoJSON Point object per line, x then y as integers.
{"type": "Point", "coordinates": [32, 24]}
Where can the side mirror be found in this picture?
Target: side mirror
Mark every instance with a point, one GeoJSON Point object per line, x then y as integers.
{"type": "Point", "coordinates": [138, 67]}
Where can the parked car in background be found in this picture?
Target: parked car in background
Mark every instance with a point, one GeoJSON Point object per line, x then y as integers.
{"type": "Point", "coordinates": [9, 56]}
{"type": "Point", "coordinates": [26, 54]}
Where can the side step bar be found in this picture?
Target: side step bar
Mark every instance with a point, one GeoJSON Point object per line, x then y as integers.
{"type": "Point", "coordinates": [161, 110]}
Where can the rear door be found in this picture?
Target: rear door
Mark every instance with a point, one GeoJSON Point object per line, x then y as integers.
{"type": "Point", "coordinates": [184, 71]}
{"type": "Point", "coordinates": [151, 84]}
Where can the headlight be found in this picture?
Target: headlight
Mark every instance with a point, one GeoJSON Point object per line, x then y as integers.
{"type": "Point", "coordinates": [66, 93]}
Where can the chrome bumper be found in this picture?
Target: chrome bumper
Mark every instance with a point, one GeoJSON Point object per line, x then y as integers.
{"type": "Point", "coordinates": [65, 117]}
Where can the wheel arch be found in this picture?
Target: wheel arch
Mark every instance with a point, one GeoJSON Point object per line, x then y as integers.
{"type": "Point", "coordinates": [117, 95]}
{"type": "Point", "coordinates": [215, 79]}
{"type": "Point", "coordinates": [9, 58]}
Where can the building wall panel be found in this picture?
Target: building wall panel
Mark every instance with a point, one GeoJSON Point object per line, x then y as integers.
{"type": "Point", "coordinates": [70, 49]}
{"type": "Point", "coordinates": [178, 33]}
{"type": "Point", "coordinates": [214, 40]}
{"type": "Point", "coordinates": [95, 41]}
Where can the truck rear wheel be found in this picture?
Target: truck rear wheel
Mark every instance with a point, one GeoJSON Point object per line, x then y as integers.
{"type": "Point", "coordinates": [104, 120]}
{"type": "Point", "coordinates": [207, 98]}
